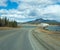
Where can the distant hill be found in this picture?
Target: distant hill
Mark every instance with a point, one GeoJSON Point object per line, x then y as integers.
{"type": "Point", "coordinates": [37, 21]}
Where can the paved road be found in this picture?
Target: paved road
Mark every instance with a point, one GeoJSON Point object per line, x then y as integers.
{"type": "Point", "coordinates": [15, 39]}
{"type": "Point", "coordinates": [22, 39]}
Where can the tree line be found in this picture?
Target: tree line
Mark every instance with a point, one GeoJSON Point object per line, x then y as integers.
{"type": "Point", "coordinates": [4, 22]}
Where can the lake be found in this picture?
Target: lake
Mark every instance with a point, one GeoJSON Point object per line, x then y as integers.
{"type": "Point", "coordinates": [53, 28]}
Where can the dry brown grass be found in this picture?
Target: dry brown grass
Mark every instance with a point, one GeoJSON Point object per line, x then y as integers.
{"type": "Point", "coordinates": [47, 31]}
{"type": "Point", "coordinates": [52, 34]}
{"type": "Point", "coordinates": [5, 28]}
{"type": "Point", "coordinates": [8, 28]}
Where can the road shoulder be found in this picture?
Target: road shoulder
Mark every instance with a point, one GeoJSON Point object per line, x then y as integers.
{"type": "Point", "coordinates": [46, 38]}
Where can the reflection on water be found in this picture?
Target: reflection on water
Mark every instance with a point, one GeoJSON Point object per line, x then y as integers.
{"type": "Point", "coordinates": [53, 28]}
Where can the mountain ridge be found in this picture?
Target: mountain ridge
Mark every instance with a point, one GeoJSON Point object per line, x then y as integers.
{"type": "Point", "coordinates": [37, 21]}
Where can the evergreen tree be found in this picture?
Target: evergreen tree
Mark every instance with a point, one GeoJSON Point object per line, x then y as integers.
{"type": "Point", "coordinates": [14, 24]}
{"type": "Point", "coordinates": [6, 22]}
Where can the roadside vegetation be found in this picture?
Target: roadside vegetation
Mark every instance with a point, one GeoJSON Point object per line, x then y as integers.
{"type": "Point", "coordinates": [4, 22]}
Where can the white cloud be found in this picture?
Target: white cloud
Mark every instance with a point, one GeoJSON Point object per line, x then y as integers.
{"type": "Point", "coordinates": [51, 12]}
{"type": "Point", "coordinates": [25, 4]}
{"type": "Point", "coordinates": [11, 13]}
{"type": "Point", "coordinates": [52, 9]}
{"type": "Point", "coordinates": [34, 1]}
{"type": "Point", "coordinates": [46, 9]}
{"type": "Point", "coordinates": [3, 3]}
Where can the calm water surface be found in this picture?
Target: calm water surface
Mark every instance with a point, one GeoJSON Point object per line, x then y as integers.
{"type": "Point", "coordinates": [53, 28]}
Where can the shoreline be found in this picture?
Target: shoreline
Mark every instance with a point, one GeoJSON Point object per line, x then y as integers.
{"type": "Point", "coordinates": [47, 31]}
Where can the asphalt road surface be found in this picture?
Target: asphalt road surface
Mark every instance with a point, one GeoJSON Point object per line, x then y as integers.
{"type": "Point", "coordinates": [16, 39]}
{"type": "Point", "coordinates": [22, 39]}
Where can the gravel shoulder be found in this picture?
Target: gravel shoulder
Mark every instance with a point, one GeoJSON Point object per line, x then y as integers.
{"type": "Point", "coordinates": [49, 40]}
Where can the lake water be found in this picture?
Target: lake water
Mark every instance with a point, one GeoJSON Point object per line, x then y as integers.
{"type": "Point", "coordinates": [54, 28]}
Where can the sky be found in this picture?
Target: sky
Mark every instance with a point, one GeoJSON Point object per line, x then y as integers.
{"type": "Point", "coordinates": [27, 10]}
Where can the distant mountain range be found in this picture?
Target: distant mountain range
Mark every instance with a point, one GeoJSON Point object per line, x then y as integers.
{"type": "Point", "coordinates": [37, 21]}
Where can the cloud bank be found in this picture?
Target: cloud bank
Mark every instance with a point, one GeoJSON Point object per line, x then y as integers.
{"type": "Point", "coordinates": [32, 9]}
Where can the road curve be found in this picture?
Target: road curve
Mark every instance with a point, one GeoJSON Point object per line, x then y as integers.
{"type": "Point", "coordinates": [15, 39]}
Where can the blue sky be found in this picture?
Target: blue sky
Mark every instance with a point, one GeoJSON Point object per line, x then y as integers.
{"type": "Point", "coordinates": [27, 10]}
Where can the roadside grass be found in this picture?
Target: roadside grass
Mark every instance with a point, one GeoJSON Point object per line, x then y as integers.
{"type": "Point", "coordinates": [47, 31]}
{"type": "Point", "coordinates": [55, 35]}
{"type": "Point", "coordinates": [9, 28]}
{"type": "Point", "coordinates": [5, 28]}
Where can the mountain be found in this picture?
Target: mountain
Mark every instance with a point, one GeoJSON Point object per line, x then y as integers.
{"type": "Point", "coordinates": [37, 21]}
